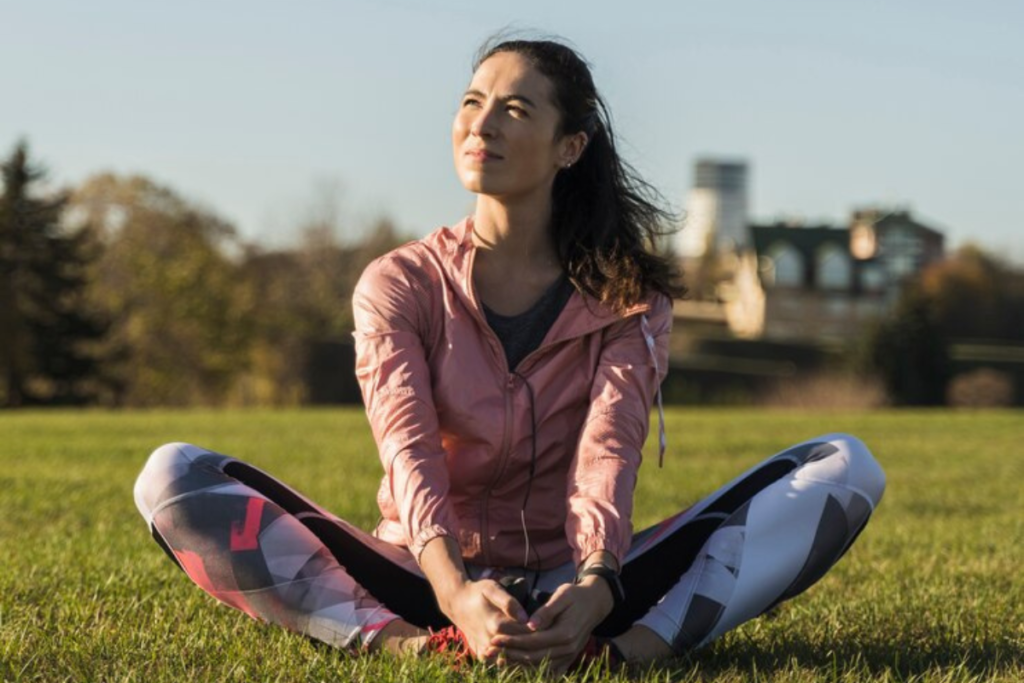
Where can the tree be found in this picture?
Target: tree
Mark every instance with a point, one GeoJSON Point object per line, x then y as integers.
{"type": "Point", "coordinates": [976, 296]}
{"type": "Point", "coordinates": [305, 302]}
{"type": "Point", "coordinates": [46, 328]}
{"type": "Point", "coordinates": [971, 295]}
{"type": "Point", "coordinates": [910, 352]}
{"type": "Point", "coordinates": [181, 317]}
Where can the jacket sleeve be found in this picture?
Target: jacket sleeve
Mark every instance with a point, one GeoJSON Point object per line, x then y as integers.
{"type": "Point", "coordinates": [391, 367]}
{"type": "Point", "coordinates": [603, 473]}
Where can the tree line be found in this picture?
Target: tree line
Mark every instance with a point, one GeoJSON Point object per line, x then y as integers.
{"type": "Point", "coordinates": [121, 292]}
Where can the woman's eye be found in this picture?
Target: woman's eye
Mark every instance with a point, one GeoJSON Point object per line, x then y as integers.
{"type": "Point", "coordinates": [518, 111]}
{"type": "Point", "coordinates": [469, 101]}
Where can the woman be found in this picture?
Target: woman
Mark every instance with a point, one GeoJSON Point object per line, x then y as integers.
{"type": "Point", "coordinates": [509, 366]}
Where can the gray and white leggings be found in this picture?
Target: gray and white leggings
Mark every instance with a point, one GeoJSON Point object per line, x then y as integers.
{"type": "Point", "coordinates": [259, 546]}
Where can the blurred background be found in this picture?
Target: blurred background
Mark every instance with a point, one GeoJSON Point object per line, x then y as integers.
{"type": "Point", "coordinates": [190, 191]}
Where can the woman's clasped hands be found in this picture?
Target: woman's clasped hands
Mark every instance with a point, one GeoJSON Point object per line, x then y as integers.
{"type": "Point", "coordinates": [556, 632]}
{"type": "Point", "coordinates": [497, 628]}
{"type": "Point", "coordinates": [483, 611]}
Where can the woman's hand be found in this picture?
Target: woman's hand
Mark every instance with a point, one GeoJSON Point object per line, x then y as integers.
{"type": "Point", "coordinates": [483, 610]}
{"type": "Point", "coordinates": [559, 629]}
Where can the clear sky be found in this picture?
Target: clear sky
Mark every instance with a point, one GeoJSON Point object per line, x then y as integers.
{"type": "Point", "coordinates": [249, 107]}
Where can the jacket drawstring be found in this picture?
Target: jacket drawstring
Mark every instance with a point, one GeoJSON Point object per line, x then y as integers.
{"type": "Point", "coordinates": [662, 439]}
{"type": "Point", "coordinates": [533, 470]}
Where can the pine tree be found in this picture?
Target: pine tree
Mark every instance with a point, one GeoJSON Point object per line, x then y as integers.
{"type": "Point", "coordinates": [44, 329]}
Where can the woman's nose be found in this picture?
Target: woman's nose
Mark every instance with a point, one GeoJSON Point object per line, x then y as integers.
{"type": "Point", "coordinates": [483, 124]}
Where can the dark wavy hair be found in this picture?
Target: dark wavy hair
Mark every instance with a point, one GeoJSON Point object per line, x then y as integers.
{"type": "Point", "coordinates": [606, 220]}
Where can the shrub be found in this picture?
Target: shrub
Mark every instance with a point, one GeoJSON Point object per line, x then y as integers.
{"type": "Point", "coordinates": [982, 388]}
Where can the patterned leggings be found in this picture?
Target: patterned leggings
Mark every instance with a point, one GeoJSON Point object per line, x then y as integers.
{"type": "Point", "coordinates": [259, 546]}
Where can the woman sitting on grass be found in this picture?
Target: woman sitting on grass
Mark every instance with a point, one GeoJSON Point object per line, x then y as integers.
{"type": "Point", "coordinates": [509, 365]}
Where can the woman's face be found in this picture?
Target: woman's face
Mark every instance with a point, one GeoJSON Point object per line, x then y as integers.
{"type": "Point", "coordinates": [503, 137]}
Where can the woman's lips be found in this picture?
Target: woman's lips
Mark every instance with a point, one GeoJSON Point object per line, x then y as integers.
{"type": "Point", "coordinates": [482, 155]}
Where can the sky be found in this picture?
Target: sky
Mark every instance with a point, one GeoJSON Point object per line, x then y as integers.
{"type": "Point", "coordinates": [259, 110]}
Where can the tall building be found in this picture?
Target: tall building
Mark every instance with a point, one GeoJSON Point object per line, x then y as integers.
{"type": "Point", "coordinates": [716, 209]}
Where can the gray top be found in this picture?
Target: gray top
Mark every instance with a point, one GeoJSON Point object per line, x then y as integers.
{"type": "Point", "coordinates": [523, 333]}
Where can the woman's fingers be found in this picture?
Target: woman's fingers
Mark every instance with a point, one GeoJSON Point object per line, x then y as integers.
{"type": "Point", "coordinates": [476, 613]}
{"type": "Point", "coordinates": [507, 627]}
{"type": "Point", "coordinates": [504, 601]}
{"type": "Point", "coordinates": [548, 613]}
{"type": "Point", "coordinates": [498, 625]}
{"type": "Point", "coordinates": [535, 640]}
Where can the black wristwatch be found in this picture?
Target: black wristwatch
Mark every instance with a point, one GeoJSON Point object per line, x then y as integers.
{"type": "Point", "coordinates": [610, 576]}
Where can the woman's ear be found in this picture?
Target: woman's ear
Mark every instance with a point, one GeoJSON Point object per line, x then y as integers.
{"type": "Point", "coordinates": [573, 147]}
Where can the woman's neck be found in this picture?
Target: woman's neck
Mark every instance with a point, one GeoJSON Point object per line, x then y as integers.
{"type": "Point", "coordinates": [515, 233]}
{"type": "Point", "coordinates": [516, 260]}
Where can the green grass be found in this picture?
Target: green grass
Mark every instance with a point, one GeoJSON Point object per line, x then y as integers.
{"type": "Point", "coordinates": [931, 591]}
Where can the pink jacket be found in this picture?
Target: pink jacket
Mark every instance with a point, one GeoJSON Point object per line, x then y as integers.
{"type": "Point", "coordinates": [453, 425]}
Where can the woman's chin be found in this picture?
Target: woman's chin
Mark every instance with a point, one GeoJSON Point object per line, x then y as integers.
{"type": "Point", "coordinates": [480, 185]}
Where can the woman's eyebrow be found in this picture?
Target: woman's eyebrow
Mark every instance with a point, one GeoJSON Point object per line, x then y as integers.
{"type": "Point", "coordinates": [506, 98]}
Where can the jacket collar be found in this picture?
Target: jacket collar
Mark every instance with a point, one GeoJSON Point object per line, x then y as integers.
{"type": "Point", "coordinates": [582, 314]}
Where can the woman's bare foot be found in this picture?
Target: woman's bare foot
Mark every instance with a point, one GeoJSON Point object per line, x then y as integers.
{"type": "Point", "coordinates": [641, 644]}
{"type": "Point", "coordinates": [399, 637]}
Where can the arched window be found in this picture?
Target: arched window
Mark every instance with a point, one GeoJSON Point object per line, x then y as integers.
{"type": "Point", "coordinates": [833, 266]}
{"type": "Point", "coordinates": [787, 269]}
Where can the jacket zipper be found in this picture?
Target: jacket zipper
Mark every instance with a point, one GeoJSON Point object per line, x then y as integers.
{"type": "Point", "coordinates": [506, 444]}
{"type": "Point", "coordinates": [506, 439]}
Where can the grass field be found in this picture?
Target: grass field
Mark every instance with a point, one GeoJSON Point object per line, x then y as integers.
{"type": "Point", "coordinates": [932, 590]}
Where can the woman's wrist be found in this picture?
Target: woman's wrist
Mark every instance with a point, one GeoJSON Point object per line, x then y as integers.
{"type": "Point", "coordinates": [602, 567]}
{"type": "Point", "coordinates": [602, 592]}
{"type": "Point", "coordinates": [602, 557]}
{"type": "Point", "coordinates": [441, 563]}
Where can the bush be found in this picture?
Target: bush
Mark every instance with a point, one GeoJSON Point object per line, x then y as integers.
{"type": "Point", "coordinates": [828, 390]}
{"type": "Point", "coordinates": [982, 388]}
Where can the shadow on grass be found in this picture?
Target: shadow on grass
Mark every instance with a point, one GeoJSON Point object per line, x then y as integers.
{"type": "Point", "coordinates": [903, 659]}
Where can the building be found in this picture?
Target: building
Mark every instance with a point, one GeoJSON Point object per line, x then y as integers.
{"type": "Point", "coordinates": [717, 209]}
{"type": "Point", "coordinates": [826, 282]}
